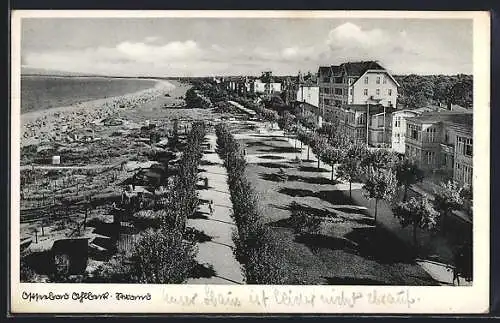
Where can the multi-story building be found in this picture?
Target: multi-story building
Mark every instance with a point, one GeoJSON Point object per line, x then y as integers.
{"type": "Point", "coordinates": [441, 143]}
{"type": "Point", "coordinates": [377, 133]}
{"type": "Point", "coordinates": [399, 125]}
{"type": "Point", "coordinates": [355, 83]}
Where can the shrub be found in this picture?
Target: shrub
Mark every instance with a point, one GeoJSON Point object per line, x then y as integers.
{"type": "Point", "coordinates": [303, 222]}
{"type": "Point", "coordinates": [162, 257]}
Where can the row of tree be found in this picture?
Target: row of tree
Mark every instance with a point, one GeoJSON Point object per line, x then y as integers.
{"type": "Point", "coordinates": [381, 171]}
{"type": "Point", "coordinates": [166, 255]}
{"type": "Point", "coordinates": [255, 246]}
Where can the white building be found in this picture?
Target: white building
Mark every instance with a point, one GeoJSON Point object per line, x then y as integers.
{"type": "Point", "coordinates": [355, 83]}
{"type": "Point", "coordinates": [266, 88]}
{"type": "Point", "coordinates": [399, 118]}
{"type": "Point", "coordinates": [308, 94]}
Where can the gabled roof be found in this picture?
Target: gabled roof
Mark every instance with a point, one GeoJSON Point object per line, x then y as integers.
{"type": "Point", "coordinates": [359, 68]}
{"type": "Point", "coordinates": [324, 70]}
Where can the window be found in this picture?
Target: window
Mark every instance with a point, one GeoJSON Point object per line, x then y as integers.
{"type": "Point", "coordinates": [361, 119]}
{"type": "Point", "coordinates": [326, 80]}
{"type": "Point", "coordinates": [377, 91]}
{"type": "Point", "coordinates": [398, 138]}
{"type": "Point", "coordinates": [338, 91]}
{"type": "Point", "coordinates": [384, 80]}
{"type": "Point", "coordinates": [464, 146]}
{"type": "Point", "coordinates": [350, 91]}
{"type": "Point", "coordinates": [380, 121]}
{"type": "Point", "coordinates": [389, 92]}
{"type": "Point", "coordinates": [397, 122]}
{"type": "Point", "coordinates": [378, 79]}
{"type": "Point", "coordinates": [445, 160]}
{"type": "Point", "coordinates": [350, 81]}
{"type": "Point", "coordinates": [431, 134]}
{"type": "Point", "coordinates": [429, 156]}
{"type": "Point", "coordinates": [413, 131]}
{"type": "Point", "coordinates": [365, 92]}
{"type": "Point", "coordinates": [366, 80]}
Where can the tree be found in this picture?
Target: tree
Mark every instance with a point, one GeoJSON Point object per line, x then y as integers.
{"type": "Point", "coordinates": [448, 197]}
{"type": "Point", "coordinates": [305, 138]}
{"type": "Point", "coordinates": [380, 184]}
{"type": "Point", "coordinates": [318, 146]}
{"type": "Point", "coordinates": [419, 213]}
{"type": "Point", "coordinates": [332, 156]}
{"type": "Point", "coordinates": [285, 121]}
{"type": "Point", "coordinates": [308, 120]}
{"type": "Point", "coordinates": [352, 168]}
{"type": "Point", "coordinates": [416, 91]}
{"type": "Point", "coordinates": [408, 173]}
{"type": "Point", "coordinates": [381, 159]}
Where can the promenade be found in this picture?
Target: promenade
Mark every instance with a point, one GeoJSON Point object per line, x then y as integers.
{"type": "Point", "coordinates": [217, 253]}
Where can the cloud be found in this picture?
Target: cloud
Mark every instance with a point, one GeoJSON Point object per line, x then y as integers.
{"type": "Point", "coordinates": [349, 35]}
{"type": "Point", "coordinates": [398, 51]}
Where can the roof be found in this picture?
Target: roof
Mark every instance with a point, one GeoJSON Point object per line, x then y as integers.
{"type": "Point", "coordinates": [359, 68]}
{"type": "Point", "coordinates": [374, 108]}
{"type": "Point", "coordinates": [324, 70]}
{"type": "Point", "coordinates": [456, 118]}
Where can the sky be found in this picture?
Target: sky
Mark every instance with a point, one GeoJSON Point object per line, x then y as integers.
{"type": "Point", "coordinates": [243, 46]}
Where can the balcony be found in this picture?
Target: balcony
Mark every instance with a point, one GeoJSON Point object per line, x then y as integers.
{"type": "Point", "coordinates": [447, 148]}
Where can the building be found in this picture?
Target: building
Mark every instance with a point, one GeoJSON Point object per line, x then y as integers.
{"type": "Point", "coordinates": [355, 83]}
{"type": "Point", "coordinates": [375, 133]}
{"type": "Point", "coordinates": [441, 144]}
{"type": "Point", "coordinates": [399, 125]}
{"type": "Point", "coordinates": [308, 94]}
{"type": "Point", "coordinates": [266, 88]}
{"type": "Point", "coordinates": [265, 84]}
{"type": "Point", "coordinates": [237, 84]}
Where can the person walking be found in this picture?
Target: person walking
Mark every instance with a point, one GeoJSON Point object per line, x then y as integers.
{"type": "Point", "coordinates": [211, 207]}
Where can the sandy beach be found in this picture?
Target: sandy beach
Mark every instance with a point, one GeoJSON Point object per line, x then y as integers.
{"type": "Point", "coordinates": [44, 125]}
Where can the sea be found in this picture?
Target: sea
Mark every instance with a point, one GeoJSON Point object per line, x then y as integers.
{"type": "Point", "coordinates": [45, 92]}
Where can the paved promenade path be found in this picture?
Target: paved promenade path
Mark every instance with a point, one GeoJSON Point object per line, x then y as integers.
{"type": "Point", "coordinates": [218, 252]}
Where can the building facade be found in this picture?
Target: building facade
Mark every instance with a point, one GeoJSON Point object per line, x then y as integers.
{"type": "Point", "coordinates": [376, 133]}
{"type": "Point", "coordinates": [441, 143]}
{"type": "Point", "coordinates": [309, 94]}
{"type": "Point", "coordinates": [355, 83]}
{"type": "Point", "coordinates": [399, 125]}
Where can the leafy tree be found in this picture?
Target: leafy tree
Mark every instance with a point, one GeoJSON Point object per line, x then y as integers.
{"type": "Point", "coordinates": [462, 92]}
{"type": "Point", "coordinates": [308, 120]}
{"type": "Point", "coordinates": [447, 198]}
{"type": "Point", "coordinates": [318, 145]}
{"type": "Point", "coordinates": [381, 159]}
{"type": "Point", "coordinates": [407, 174]}
{"type": "Point", "coordinates": [305, 138]}
{"type": "Point", "coordinates": [352, 169]}
{"type": "Point", "coordinates": [332, 156]}
{"type": "Point", "coordinates": [380, 184]}
{"type": "Point", "coordinates": [285, 121]}
{"type": "Point", "coordinates": [419, 213]}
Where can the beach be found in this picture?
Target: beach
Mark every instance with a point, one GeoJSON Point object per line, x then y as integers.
{"type": "Point", "coordinates": [45, 125]}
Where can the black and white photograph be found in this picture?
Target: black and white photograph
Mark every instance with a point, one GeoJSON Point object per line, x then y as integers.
{"type": "Point", "coordinates": [208, 150]}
